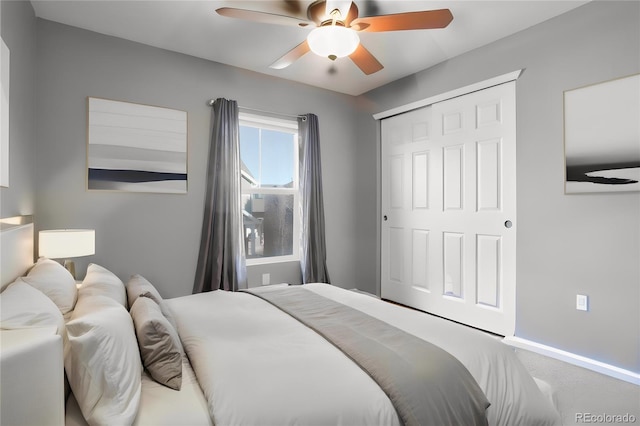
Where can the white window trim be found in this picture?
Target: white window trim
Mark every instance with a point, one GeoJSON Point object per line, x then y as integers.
{"type": "Point", "coordinates": [286, 126]}
{"type": "Point", "coordinates": [271, 123]}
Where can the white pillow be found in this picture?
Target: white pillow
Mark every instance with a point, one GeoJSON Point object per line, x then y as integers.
{"type": "Point", "coordinates": [101, 281]}
{"type": "Point", "coordinates": [55, 281]}
{"type": "Point", "coordinates": [22, 306]}
{"type": "Point", "coordinates": [103, 364]}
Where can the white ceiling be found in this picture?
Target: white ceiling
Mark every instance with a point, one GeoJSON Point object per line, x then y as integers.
{"type": "Point", "coordinates": [194, 28]}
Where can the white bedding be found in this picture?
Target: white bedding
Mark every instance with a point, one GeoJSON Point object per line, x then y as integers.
{"type": "Point", "coordinates": [160, 405]}
{"type": "Point", "coordinates": [514, 395]}
{"type": "Point", "coordinates": [256, 365]}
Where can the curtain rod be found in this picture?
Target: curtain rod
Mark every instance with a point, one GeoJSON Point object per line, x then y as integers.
{"type": "Point", "coordinates": [304, 117]}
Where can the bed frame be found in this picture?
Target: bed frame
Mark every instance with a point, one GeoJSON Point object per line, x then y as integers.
{"type": "Point", "coordinates": [30, 359]}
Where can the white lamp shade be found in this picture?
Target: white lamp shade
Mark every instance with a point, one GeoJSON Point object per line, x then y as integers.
{"type": "Point", "coordinates": [332, 40]}
{"type": "Point", "coordinates": [65, 243]}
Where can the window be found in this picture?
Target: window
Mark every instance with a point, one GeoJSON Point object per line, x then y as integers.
{"type": "Point", "coordinates": [269, 162]}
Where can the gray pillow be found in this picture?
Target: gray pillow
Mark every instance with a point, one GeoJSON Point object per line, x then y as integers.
{"type": "Point", "coordinates": [139, 286]}
{"type": "Point", "coordinates": [159, 344]}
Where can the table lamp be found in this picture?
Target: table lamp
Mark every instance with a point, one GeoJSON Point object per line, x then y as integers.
{"type": "Point", "coordinates": [66, 243]}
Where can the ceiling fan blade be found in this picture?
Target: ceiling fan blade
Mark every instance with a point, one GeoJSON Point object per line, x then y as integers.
{"type": "Point", "coordinates": [424, 20]}
{"type": "Point", "coordinates": [291, 56]}
{"type": "Point", "coordinates": [263, 17]}
{"type": "Point", "coordinates": [365, 60]}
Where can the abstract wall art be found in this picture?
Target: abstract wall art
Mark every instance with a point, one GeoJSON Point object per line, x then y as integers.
{"type": "Point", "coordinates": [602, 137]}
{"type": "Point", "coordinates": [136, 148]}
{"type": "Point", "coordinates": [4, 114]}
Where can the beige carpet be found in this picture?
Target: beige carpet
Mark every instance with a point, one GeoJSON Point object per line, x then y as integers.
{"type": "Point", "coordinates": [584, 396]}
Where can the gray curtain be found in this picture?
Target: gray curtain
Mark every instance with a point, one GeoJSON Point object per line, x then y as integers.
{"type": "Point", "coordinates": [313, 256]}
{"type": "Point", "coordinates": [221, 263]}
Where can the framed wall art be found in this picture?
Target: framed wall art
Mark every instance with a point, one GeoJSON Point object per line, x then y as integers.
{"type": "Point", "coordinates": [4, 114]}
{"type": "Point", "coordinates": [602, 137]}
{"type": "Point", "coordinates": [136, 148]}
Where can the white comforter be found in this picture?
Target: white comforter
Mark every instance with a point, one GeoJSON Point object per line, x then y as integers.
{"type": "Point", "coordinates": [257, 365]}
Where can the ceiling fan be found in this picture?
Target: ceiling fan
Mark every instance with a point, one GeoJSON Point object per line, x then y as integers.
{"type": "Point", "coordinates": [336, 30]}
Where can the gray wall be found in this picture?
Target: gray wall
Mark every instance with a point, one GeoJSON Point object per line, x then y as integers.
{"type": "Point", "coordinates": [567, 244]}
{"type": "Point", "coordinates": [19, 34]}
{"type": "Point", "coordinates": [158, 235]}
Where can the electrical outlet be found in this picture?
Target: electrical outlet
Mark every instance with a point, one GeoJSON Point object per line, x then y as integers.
{"type": "Point", "coordinates": [266, 279]}
{"type": "Point", "coordinates": [582, 302]}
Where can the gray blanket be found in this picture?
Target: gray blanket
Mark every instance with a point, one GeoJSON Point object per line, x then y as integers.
{"type": "Point", "coordinates": [426, 384]}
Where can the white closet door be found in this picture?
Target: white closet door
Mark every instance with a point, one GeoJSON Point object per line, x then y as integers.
{"type": "Point", "coordinates": [448, 207]}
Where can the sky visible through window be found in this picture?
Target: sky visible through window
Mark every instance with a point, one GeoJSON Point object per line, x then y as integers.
{"type": "Point", "coordinates": [268, 154]}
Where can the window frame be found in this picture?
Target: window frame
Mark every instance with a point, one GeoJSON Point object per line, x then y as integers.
{"type": "Point", "coordinates": [290, 126]}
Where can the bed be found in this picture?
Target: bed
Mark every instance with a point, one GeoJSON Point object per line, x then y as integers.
{"type": "Point", "coordinates": [276, 355]}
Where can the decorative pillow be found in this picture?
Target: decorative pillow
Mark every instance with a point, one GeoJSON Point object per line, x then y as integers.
{"type": "Point", "coordinates": [139, 286]}
{"type": "Point", "coordinates": [159, 343]}
{"type": "Point", "coordinates": [55, 281]}
{"type": "Point", "coordinates": [22, 306]}
{"type": "Point", "coordinates": [103, 363]}
{"type": "Point", "coordinates": [101, 281]}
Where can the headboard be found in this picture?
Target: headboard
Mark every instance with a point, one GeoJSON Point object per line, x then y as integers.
{"type": "Point", "coordinates": [16, 248]}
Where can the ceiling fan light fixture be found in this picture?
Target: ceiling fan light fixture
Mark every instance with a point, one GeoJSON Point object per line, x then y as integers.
{"type": "Point", "coordinates": [342, 6]}
{"type": "Point", "coordinates": [333, 41]}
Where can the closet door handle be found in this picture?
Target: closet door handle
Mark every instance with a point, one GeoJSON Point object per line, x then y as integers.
{"type": "Point", "coordinates": [384, 217]}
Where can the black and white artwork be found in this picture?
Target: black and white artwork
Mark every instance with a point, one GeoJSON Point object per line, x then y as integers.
{"type": "Point", "coordinates": [4, 114]}
{"type": "Point", "coordinates": [602, 137]}
{"type": "Point", "coordinates": [136, 148]}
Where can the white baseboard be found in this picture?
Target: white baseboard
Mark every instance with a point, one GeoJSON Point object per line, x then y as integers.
{"type": "Point", "coordinates": [571, 358]}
